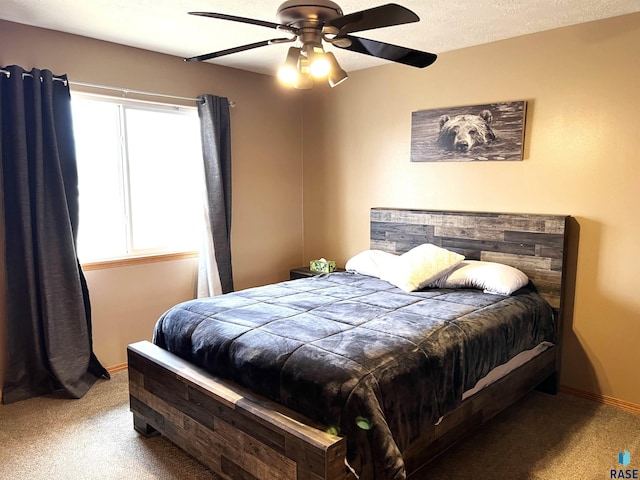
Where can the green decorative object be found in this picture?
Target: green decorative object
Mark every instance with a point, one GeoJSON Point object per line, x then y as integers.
{"type": "Point", "coordinates": [322, 266]}
{"type": "Point", "coordinates": [363, 423]}
{"type": "Point", "coordinates": [333, 431]}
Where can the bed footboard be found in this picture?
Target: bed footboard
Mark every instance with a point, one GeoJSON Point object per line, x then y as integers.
{"type": "Point", "coordinates": [224, 426]}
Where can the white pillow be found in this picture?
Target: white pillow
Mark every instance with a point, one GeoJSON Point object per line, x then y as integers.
{"type": "Point", "coordinates": [420, 266]}
{"type": "Point", "coordinates": [489, 276]}
{"type": "Point", "coordinates": [370, 262]}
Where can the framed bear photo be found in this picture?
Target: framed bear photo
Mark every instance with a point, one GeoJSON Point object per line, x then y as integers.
{"type": "Point", "coordinates": [491, 132]}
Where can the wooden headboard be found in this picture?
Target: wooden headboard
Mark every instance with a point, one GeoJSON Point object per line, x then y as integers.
{"type": "Point", "coordinates": [533, 243]}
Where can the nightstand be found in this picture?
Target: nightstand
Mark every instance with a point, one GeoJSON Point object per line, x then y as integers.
{"type": "Point", "coordinates": [303, 272]}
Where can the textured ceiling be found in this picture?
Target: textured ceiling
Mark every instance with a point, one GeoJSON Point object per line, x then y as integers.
{"type": "Point", "coordinates": [164, 26]}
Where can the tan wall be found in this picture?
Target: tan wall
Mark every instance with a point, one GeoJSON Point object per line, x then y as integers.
{"type": "Point", "coordinates": [126, 301]}
{"type": "Point", "coordinates": [581, 84]}
{"type": "Point", "coordinates": [267, 175]}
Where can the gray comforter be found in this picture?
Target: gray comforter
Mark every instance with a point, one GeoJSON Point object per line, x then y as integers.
{"type": "Point", "coordinates": [364, 358]}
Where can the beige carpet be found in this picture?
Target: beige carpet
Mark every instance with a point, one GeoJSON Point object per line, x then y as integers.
{"type": "Point", "coordinates": [541, 437]}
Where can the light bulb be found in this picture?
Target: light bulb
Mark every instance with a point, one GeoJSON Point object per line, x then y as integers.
{"type": "Point", "coordinates": [287, 74]}
{"type": "Point", "coordinates": [288, 71]}
{"type": "Point", "coordinates": [320, 66]}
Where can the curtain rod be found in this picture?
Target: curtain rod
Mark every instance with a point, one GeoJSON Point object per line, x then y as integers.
{"type": "Point", "coordinates": [124, 91]}
{"type": "Point", "coordinates": [7, 73]}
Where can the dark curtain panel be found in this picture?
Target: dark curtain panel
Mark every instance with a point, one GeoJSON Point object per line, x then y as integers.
{"type": "Point", "coordinates": [48, 311]}
{"type": "Point", "coordinates": [215, 129]}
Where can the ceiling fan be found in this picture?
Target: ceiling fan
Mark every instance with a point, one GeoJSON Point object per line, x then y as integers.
{"type": "Point", "coordinates": [310, 23]}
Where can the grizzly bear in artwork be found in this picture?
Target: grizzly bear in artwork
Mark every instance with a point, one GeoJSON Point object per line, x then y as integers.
{"type": "Point", "coordinates": [462, 132]}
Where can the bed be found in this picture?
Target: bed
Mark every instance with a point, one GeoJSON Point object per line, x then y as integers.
{"type": "Point", "coordinates": [299, 421]}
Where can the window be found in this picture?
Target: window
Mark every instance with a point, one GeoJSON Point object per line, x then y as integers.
{"type": "Point", "coordinates": [140, 177]}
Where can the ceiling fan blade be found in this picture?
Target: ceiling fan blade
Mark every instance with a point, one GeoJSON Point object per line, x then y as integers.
{"type": "Point", "coordinates": [377, 17]}
{"type": "Point", "coordinates": [233, 18]}
{"type": "Point", "coordinates": [252, 21]}
{"type": "Point", "coordinates": [395, 53]}
{"type": "Point", "coordinates": [263, 43]}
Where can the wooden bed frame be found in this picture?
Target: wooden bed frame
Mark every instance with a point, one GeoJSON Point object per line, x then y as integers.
{"type": "Point", "coordinates": [240, 435]}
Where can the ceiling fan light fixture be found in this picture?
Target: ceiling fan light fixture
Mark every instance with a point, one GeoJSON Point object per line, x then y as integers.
{"type": "Point", "coordinates": [318, 62]}
{"type": "Point", "coordinates": [336, 75]}
{"type": "Point", "coordinates": [288, 71]}
{"type": "Point", "coordinates": [320, 67]}
{"type": "Point", "coordinates": [304, 82]}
